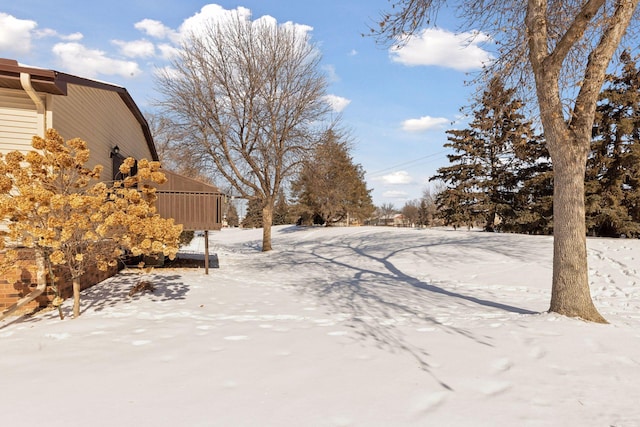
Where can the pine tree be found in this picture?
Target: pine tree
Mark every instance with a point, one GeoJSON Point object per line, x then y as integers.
{"type": "Point", "coordinates": [482, 181]}
{"type": "Point", "coordinates": [232, 215]}
{"type": "Point", "coordinates": [613, 168]}
{"type": "Point", "coordinates": [423, 214]}
{"type": "Point", "coordinates": [253, 217]}
{"type": "Point", "coordinates": [282, 211]}
{"type": "Point", "coordinates": [533, 202]}
{"type": "Point", "coordinates": [330, 187]}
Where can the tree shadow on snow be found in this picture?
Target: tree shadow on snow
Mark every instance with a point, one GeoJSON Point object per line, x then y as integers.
{"type": "Point", "coordinates": [378, 297]}
{"type": "Point", "coordinates": [114, 292]}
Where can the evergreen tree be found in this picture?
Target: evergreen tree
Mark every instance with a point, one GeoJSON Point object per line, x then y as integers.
{"type": "Point", "coordinates": [282, 211]}
{"type": "Point", "coordinates": [253, 217]}
{"type": "Point", "coordinates": [233, 219]}
{"type": "Point", "coordinates": [330, 187]}
{"type": "Point", "coordinates": [483, 182]}
{"type": "Point", "coordinates": [613, 168]}
{"type": "Point", "coordinates": [533, 202]}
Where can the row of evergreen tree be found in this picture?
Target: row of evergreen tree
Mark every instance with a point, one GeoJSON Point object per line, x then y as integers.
{"type": "Point", "coordinates": [500, 176]}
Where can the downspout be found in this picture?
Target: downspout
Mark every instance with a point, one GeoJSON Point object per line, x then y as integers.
{"type": "Point", "coordinates": [25, 81]}
{"type": "Point", "coordinates": [41, 280]}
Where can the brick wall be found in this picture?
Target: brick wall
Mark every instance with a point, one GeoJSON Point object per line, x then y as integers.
{"type": "Point", "coordinates": [21, 279]}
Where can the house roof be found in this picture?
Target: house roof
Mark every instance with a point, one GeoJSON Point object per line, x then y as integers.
{"type": "Point", "coordinates": [55, 83]}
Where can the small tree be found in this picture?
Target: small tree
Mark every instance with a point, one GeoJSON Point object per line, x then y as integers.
{"type": "Point", "coordinates": [253, 216]}
{"type": "Point", "coordinates": [54, 206]}
{"type": "Point", "coordinates": [428, 208]}
{"type": "Point", "coordinates": [330, 186]}
{"type": "Point", "coordinates": [233, 220]}
{"type": "Point", "coordinates": [282, 211]}
{"type": "Point", "coordinates": [386, 211]}
{"type": "Point", "coordinates": [483, 177]}
{"type": "Point", "coordinates": [248, 96]}
{"type": "Point", "coordinates": [411, 212]}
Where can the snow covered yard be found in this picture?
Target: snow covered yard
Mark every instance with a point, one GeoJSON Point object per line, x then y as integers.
{"type": "Point", "coordinates": [338, 327]}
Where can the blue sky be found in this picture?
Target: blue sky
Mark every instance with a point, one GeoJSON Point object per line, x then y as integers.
{"type": "Point", "coordinates": [396, 104]}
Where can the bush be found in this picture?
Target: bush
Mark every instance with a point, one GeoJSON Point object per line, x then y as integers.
{"type": "Point", "coordinates": [186, 237]}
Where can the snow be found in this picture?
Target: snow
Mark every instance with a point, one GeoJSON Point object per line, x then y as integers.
{"type": "Point", "coordinates": [362, 326]}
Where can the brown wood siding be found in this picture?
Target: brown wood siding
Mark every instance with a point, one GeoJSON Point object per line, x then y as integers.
{"type": "Point", "coordinates": [18, 120]}
{"type": "Point", "coordinates": [103, 120]}
{"type": "Point", "coordinates": [195, 211]}
{"type": "Point", "coordinates": [177, 182]}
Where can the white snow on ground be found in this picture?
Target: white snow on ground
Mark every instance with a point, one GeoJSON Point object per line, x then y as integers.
{"type": "Point", "coordinates": [337, 327]}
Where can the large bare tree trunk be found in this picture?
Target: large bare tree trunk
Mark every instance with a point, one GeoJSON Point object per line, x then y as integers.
{"type": "Point", "coordinates": [570, 293]}
{"type": "Point", "coordinates": [267, 221]}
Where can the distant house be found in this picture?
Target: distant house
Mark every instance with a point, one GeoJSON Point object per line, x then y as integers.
{"type": "Point", "coordinates": [106, 117]}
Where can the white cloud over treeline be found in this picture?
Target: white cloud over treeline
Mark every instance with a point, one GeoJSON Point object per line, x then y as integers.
{"type": "Point", "coordinates": [424, 123]}
{"type": "Point", "coordinates": [337, 103]}
{"type": "Point", "coordinates": [397, 178]}
{"type": "Point", "coordinates": [439, 47]}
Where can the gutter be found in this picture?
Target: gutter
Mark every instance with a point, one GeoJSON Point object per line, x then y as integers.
{"type": "Point", "coordinates": [25, 81]}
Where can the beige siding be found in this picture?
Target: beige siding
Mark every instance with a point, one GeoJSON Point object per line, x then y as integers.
{"type": "Point", "coordinates": [102, 119]}
{"type": "Point", "coordinates": [18, 120]}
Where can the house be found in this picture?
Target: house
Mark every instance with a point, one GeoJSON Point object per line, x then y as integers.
{"type": "Point", "coordinates": [34, 99]}
{"type": "Point", "coordinates": [106, 117]}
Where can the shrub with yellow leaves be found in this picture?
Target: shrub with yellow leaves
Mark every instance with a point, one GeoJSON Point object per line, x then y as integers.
{"type": "Point", "coordinates": [54, 204]}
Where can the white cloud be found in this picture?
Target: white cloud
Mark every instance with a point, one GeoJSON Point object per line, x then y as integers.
{"type": "Point", "coordinates": [439, 47]}
{"type": "Point", "coordinates": [213, 13]}
{"type": "Point", "coordinates": [397, 178]}
{"type": "Point", "coordinates": [15, 34]}
{"type": "Point", "coordinates": [353, 52]}
{"type": "Point", "coordinates": [77, 59]}
{"type": "Point", "coordinates": [136, 48]}
{"type": "Point", "coordinates": [208, 14]}
{"type": "Point", "coordinates": [167, 71]}
{"type": "Point", "coordinates": [48, 32]}
{"type": "Point", "coordinates": [337, 103]}
{"type": "Point", "coordinates": [168, 51]}
{"type": "Point", "coordinates": [196, 25]}
{"type": "Point", "coordinates": [330, 71]}
{"type": "Point", "coordinates": [423, 123]}
{"type": "Point", "coordinates": [154, 28]}
{"type": "Point", "coordinates": [74, 37]}
{"type": "Point", "coordinates": [301, 30]}
{"type": "Point", "coordinates": [395, 194]}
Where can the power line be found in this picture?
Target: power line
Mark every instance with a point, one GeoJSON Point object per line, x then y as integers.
{"type": "Point", "coordinates": [419, 159]}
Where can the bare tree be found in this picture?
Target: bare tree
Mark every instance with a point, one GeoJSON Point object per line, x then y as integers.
{"type": "Point", "coordinates": [386, 211]}
{"type": "Point", "coordinates": [411, 212]}
{"type": "Point", "coordinates": [248, 96]}
{"type": "Point", "coordinates": [168, 138]}
{"type": "Point", "coordinates": [566, 46]}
